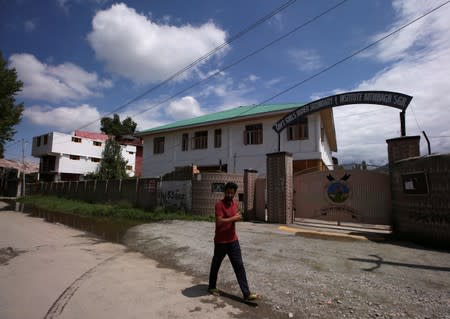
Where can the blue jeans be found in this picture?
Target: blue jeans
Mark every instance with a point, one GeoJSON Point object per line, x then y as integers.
{"type": "Point", "coordinates": [233, 250]}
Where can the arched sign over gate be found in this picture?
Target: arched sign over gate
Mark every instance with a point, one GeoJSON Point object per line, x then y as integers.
{"type": "Point", "coordinates": [392, 99]}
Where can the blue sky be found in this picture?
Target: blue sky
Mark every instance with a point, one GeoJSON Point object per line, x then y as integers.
{"type": "Point", "coordinates": [81, 59]}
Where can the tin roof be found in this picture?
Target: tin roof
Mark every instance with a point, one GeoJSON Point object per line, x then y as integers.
{"type": "Point", "coordinates": [231, 114]}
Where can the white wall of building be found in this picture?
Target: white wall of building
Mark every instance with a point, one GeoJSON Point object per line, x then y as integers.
{"type": "Point", "coordinates": [89, 151]}
{"type": "Point", "coordinates": [233, 151]}
{"type": "Point", "coordinates": [327, 157]}
{"type": "Point", "coordinates": [129, 154]}
{"type": "Point", "coordinates": [60, 143]}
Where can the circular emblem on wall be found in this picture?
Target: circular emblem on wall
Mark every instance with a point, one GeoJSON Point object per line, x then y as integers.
{"type": "Point", "coordinates": [338, 192]}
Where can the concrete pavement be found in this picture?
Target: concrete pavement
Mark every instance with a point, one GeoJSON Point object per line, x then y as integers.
{"type": "Point", "coordinates": [52, 271]}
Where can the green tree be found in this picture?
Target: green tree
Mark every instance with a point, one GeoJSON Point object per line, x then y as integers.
{"type": "Point", "coordinates": [10, 112]}
{"type": "Point", "coordinates": [113, 126]}
{"type": "Point", "coordinates": [112, 164]}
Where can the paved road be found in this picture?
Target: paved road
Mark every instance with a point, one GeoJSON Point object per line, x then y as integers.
{"type": "Point", "coordinates": [52, 271]}
{"type": "Point", "coordinates": [336, 276]}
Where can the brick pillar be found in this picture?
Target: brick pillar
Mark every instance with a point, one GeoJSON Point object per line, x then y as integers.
{"type": "Point", "coordinates": [403, 147]}
{"type": "Point", "coordinates": [249, 193]}
{"type": "Point", "coordinates": [279, 188]}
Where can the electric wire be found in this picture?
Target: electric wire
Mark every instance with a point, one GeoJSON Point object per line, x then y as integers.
{"type": "Point", "coordinates": [243, 58]}
{"type": "Point", "coordinates": [202, 58]}
{"type": "Point", "coordinates": [237, 61]}
{"type": "Point", "coordinates": [355, 53]}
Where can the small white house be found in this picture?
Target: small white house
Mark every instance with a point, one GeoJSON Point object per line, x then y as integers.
{"type": "Point", "coordinates": [70, 156]}
{"type": "Point", "coordinates": [238, 139]}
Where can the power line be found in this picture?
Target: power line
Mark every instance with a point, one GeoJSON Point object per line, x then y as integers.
{"type": "Point", "coordinates": [417, 122]}
{"type": "Point", "coordinates": [355, 53]}
{"type": "Point", "coordinates": [339, 62]}
{"type": "Point", "coordinates": [241, 59]}
{"type": "Point", "coordinates": [202, 58]}
{"type": "Point", "coordinates": [236, 61]}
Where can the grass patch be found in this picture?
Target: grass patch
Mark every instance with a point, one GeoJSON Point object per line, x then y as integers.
{"type": "Point", "coordinates": [107, 211]}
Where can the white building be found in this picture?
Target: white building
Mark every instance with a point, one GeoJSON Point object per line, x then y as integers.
{"type": "Point", "coordinates": [70, 156]}
{"type": "Point", "coordinates": [238, 139]}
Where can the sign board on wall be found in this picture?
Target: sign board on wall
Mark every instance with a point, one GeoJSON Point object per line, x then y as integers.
{"type": "Point", "coordinates": [415, 183]}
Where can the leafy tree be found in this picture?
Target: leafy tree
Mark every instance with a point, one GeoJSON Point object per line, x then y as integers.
{"type": "Point", "coordinates": [113, 126]}
{"type": "Point", "coordinates": [112, 164]}
{"type": "Point", "coordinates": [10, 112]}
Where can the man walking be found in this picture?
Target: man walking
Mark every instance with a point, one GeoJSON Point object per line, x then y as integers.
{"type": "Point", "coordinates": [226, 243]}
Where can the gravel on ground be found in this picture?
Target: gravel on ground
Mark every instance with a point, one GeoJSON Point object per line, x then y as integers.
{"type": "Point", "coordinates": [302, 277]}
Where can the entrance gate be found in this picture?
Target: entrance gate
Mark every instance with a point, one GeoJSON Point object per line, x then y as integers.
{"type": "Point", "coordinates": [355, 196]}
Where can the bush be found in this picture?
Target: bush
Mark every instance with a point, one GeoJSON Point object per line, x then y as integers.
{"type": "Point", "coordinates": [122, 210]}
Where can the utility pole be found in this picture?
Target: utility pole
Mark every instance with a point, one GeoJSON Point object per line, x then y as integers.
{"type": "Point", "coordinates": [23, 167]}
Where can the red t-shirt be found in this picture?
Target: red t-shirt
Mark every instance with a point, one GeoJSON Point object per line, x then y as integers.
{"type": "Point", "coordinates": [225, 232]}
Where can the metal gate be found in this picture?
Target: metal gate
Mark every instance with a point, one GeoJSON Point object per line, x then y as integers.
{"type": "Point", "coordinates": [350, 196]}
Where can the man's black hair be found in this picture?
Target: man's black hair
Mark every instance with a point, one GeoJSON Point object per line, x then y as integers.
{"type": "Point", "coordinates": [231, 185]}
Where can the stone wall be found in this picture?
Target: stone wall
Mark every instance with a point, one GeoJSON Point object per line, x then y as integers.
{"type": "Point", "coordinates": [249, 193]}
{"type": "Point", "coordinates": [208, 188]}
{"type": "Point", "coordinates": [421, 199]}
{"type": "Point", "coordinates": [279, 188]}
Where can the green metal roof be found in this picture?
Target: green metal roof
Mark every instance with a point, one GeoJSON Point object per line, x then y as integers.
{"type": "Point", "coordinates": [238, 112]}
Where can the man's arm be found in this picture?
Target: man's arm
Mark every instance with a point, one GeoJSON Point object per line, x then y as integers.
{"type": "Point", "coordinates": [235, 218]}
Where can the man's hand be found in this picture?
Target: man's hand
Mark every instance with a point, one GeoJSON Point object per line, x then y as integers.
{"type": "Point", "coordinates": [235, 218]}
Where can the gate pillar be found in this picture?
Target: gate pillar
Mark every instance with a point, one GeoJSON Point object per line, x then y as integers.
{"type": "Point", "coordinates": [249, 193]}
{"type": "Point", "coordinates": [403, 147]}
{"type": "Point", "coordinates": [279, 188]}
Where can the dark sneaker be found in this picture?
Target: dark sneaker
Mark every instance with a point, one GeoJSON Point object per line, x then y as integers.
{"type": "Point", "coordinates": [252, 297]}
{"type": "Point", "coordinates": [214, 291]}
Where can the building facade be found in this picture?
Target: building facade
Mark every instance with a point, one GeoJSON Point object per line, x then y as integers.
{"type": "Point", "coordinates": [238, 139]}
{"type": "Point", "coordinates": [72, 156]}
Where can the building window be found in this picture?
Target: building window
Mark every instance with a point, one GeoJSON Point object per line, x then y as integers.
{"type": "Point", "coordinates": [218, 138]}
{"type": "Point", "coordinates": [129, 167]}
{"type": "Point", "coordinates": [158, 145]}
{"type": "Point", "coordinates": [200, 140]}
{"type": "Point", "coordinates": [45, 139]}
{"type": "Point", "coordinates": [253, 134]}
{"type": "Point", "coordinates": [218, 187]}
{"type": "Point", "coordinates": [185, 142]}
{"type": "Point", "coordinates": [298, 131]}
{"type": "Point", "coordinates": [322, 134]}
{"type": "Point", "coordinates": [74, 157]}
{"type": "Point", "coordinates": [76, 139]}
{"type": "Point", "coordinates": [38, 141]}
{"type": "Point", "coordinates": [129, 152]}
{"type": "Point", "coordinates": [95, 160]}
{"type": "Point", "coordinates": [96, 143]}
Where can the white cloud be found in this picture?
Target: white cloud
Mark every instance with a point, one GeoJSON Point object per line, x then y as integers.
{"type": "Point", "coordinates": [55, 83]}
{"type": "Point", "coordinates": [305, 60]}
{"type": "Point", "coordinates": [418, 70]}
{"type": "Point", "coordinates": [422, 34]}
{"type": "Point", "coordinates": [253, 78]}
{"type": "Point", "coordinates": [29, 26]}
{"type": "Point", "coordinates": [277, 21]}
{"type": "Point", "coordinates": [64, 4]}
{"type": "Point", "coordinates": [137, 48]}
{"type": "Point", "coordinates": [271, 83]}
{"type": "Point", "coordinates": [227, 94]}
{"type": "Point", "coordinates": [184, 108]}
{"type": "Point", "coordinates": [64, 118]}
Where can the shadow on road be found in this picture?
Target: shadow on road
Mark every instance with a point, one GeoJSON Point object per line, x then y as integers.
{"type": "Point", "coordinates": [201, 290]}
{"type": "Point", "coordinates": [378, 261]}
